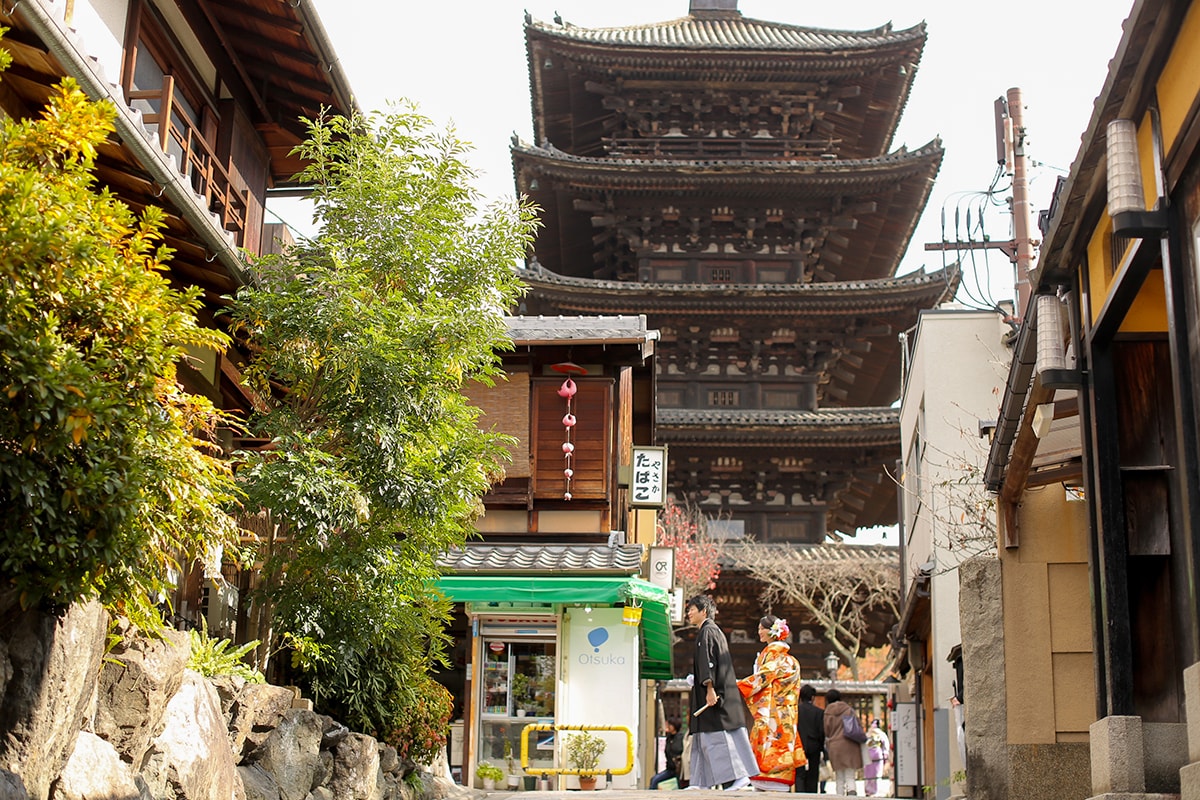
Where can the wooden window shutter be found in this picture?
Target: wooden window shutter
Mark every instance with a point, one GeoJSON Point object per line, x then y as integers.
{"type": "Point", "coordinates": [592, 436]}
{"type": "Point", "coordinates": [505, 408]}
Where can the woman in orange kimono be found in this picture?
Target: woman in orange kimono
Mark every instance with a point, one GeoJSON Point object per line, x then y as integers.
{"type": "Point", "coordinates": [772, 693]}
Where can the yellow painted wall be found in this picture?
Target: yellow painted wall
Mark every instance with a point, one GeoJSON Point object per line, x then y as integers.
{"type": "Point", "coordinates": [1050, 687]}
{"type": "Point", "coordinates": [1148, 314]}
{"type": "Point", "coordinates": [1179, 82]}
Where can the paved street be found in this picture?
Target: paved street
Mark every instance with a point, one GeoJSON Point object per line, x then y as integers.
{"type": "Point", "coordinates": [646, 794]}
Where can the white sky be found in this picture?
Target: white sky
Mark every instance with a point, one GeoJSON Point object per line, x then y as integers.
{"type": "Point", "coordinates": [465, 62]}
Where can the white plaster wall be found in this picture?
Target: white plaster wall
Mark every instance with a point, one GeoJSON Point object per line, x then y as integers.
{"type": "Point", "coordinates": [101, 24]}
{"type": "Point", "coordinates": [958, 367]}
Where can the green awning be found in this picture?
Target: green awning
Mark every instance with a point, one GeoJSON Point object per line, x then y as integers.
{"type": "Point", "coordinates": [656, 656]}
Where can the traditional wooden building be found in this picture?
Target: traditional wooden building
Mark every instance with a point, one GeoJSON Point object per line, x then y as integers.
{"type": "Point", "coordinates": [209, 98]}
{"type": "Point", "coordinates": [554, 624]}
{"type": "Point", "coordinates": [734, 180]}
{"type": "Point", "coordinates": [1096, 459]}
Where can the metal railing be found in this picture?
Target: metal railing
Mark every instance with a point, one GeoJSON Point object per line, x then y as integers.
{"type": "Point", "coordinates": [198, 161]}
{"type": "Point", "coordinates": [542, 726]}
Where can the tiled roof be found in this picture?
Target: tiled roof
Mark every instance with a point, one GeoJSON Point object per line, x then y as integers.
{"type": "Point", "coordinates": [821, 553]}
{"type": "Point", "coordinates": [625, 559]}
{"type": "Point", "coordinates": [618, 328]}
{"type": "Point", "coordinates": [731, 32]}
{"type": "Point", "coordinates": [823, 419]}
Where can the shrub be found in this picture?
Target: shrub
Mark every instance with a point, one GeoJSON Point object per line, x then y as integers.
{"type": "Point", "coordinates": [422, 722]}
{"type": "Point", "coordinates": [211, 657]}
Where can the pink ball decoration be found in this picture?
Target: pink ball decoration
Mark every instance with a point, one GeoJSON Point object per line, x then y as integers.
{"type": "Point", "coordinates": [569, 421]}
{"type": "Point", "coordinates": [567, 389]}
{"type": "Point", "coordinates": [568, 448]}
{"type": "Point", "coordinates": [569, 472]}
{"type": "Point", "coordinates": [567, 496]}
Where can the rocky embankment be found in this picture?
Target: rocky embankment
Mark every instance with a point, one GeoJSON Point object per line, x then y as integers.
{"type": "Point", "coordinates": [133, 723]}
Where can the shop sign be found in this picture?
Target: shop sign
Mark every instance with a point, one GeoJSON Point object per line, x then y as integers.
{"type": "Point", "coordinates": [662, 567]}
{"type": "Point", "coordinates": [649, 484]}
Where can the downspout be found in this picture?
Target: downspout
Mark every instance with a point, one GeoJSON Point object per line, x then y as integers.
{"type": "Point", "coordinates": [133, 134]}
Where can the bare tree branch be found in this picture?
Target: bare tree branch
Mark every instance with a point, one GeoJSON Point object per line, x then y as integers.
{"type": "Point", "coordinates": [838, 592]}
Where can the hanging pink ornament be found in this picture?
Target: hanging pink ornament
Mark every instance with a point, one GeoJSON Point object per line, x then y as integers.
{"type": "Point", "coordinates": [567, 496]}
{"type": "Point", "coordinates": [570, 473]}
{"type": "Point", "coordinates": [569, 420]}
{"type": "Point", "coordinates": [568, 448]}
{"type": "Point", "coordinates": [567, 389]}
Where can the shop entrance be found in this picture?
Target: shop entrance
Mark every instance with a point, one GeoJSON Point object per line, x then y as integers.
{"type": "Point", "coordinates": [518, 688]}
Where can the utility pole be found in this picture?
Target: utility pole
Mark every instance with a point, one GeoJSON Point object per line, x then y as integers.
{"type": "Point", "coordinates": [1021, 211]}
{"type": "Point", "coordinates": [1010, 152]}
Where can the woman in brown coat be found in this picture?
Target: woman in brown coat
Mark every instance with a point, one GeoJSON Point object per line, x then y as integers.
{"type": "Point", "coordinates": [844, 755]}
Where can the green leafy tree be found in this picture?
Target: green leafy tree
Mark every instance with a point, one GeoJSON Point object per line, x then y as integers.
{"type": "Point", "coordinates": [107, 471]}
{"type": "Point", "coordinates": [360, 340]}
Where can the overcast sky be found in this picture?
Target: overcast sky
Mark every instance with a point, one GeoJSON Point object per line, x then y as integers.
{"type": "Point", "coordinates": [464, 62]}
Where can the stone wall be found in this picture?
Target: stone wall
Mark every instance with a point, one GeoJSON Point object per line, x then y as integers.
{"type": "Point", "coordinates": [77, 723]}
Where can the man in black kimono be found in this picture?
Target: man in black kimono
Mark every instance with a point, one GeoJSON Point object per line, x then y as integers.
{"type": "Point", "coordinates": [721, 752]}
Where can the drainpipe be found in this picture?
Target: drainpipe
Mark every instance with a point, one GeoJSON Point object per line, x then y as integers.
{"type": "Point", "coordinates": [87, 72]}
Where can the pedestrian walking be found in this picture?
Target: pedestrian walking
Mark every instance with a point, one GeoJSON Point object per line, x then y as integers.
{"type": "Point", "coordinates": [879, 747]}
{"type": "Point", "coordinates": [772, 694]}
{"type": "Point", "coordinates": [845, 755]}
{"type": "Point", "coordinates": [810, 720]}
{"type": "Point", "coordinates": [721, 752]}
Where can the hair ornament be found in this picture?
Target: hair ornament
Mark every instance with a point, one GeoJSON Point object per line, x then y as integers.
{"type": "Point", "coordinates": [780, 629]}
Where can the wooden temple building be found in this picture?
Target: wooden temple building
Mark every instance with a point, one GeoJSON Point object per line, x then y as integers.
{"type": "Point", "coordinates": [735, 181]}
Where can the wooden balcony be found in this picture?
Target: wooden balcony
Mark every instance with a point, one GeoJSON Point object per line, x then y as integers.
{"type": "Point", "coordinates": [208, 175]}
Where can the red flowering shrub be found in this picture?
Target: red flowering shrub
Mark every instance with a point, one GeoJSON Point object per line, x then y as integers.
{"type": "Point", "coordinates": [422, 723]}
{"type": "Point", "coordinates": [697, 557]}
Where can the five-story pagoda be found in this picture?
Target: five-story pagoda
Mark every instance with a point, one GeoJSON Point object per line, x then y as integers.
{"type": "Point", "coordinates": [733, 180]}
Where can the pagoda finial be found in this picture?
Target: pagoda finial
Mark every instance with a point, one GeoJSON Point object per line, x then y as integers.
{"type": "Point", "coordinates": [701, 7]}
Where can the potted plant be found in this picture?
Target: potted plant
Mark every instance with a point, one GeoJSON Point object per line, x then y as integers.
{"type": "Point", "coordinates": [520, 693]}
{"type": "Point", "coordinates": [514, 780]}
{"type": "Point", "coordinates": [583, 751]}
{"type": "Point", "coordinates": [488, 774]}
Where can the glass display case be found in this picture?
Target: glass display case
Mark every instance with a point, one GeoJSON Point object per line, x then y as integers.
{"type": "Point", "coordinates": [518, 690]}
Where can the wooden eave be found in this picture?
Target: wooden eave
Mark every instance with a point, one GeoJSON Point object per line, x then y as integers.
{"type": "Point", "coordinates": [286, 63]}
{"type": "Point", "coordinates": [881, 63]}
{"type": "Point", "coordinates": [880, 199]}
{"type": "Point", "coordinates": [24, 91]}
{"type": "Point", "coordinates": [1128, 90]}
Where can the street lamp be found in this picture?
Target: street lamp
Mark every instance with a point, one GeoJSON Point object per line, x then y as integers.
{"type": "Point", "coordinates": [831, 665]}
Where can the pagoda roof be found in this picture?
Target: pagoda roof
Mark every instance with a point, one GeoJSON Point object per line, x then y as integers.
{"type": "Point", "coordinates": [909, 292]}
{"type": "Point", "coordinates": [820, 428]}
{"type": "Point", "coordinates": [871, 70]}
{"type": "Point", "coordinates": [879, 199]}
{"type": "Point", "coordinates": [731, 31]}
{"type": "Point", "coordinates": [726, 175]}
{"type": "Point", "coordinates": [857, 444]}
{"type": "Point", "coordinates": [871, 310]}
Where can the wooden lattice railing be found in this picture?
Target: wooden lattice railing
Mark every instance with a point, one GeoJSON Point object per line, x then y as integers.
{"type": "Point", "coordinates": [210, 177]}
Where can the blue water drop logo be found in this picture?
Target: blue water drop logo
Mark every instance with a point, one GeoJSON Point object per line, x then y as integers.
{"type": "Point", "coordinates": [597, 637]}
